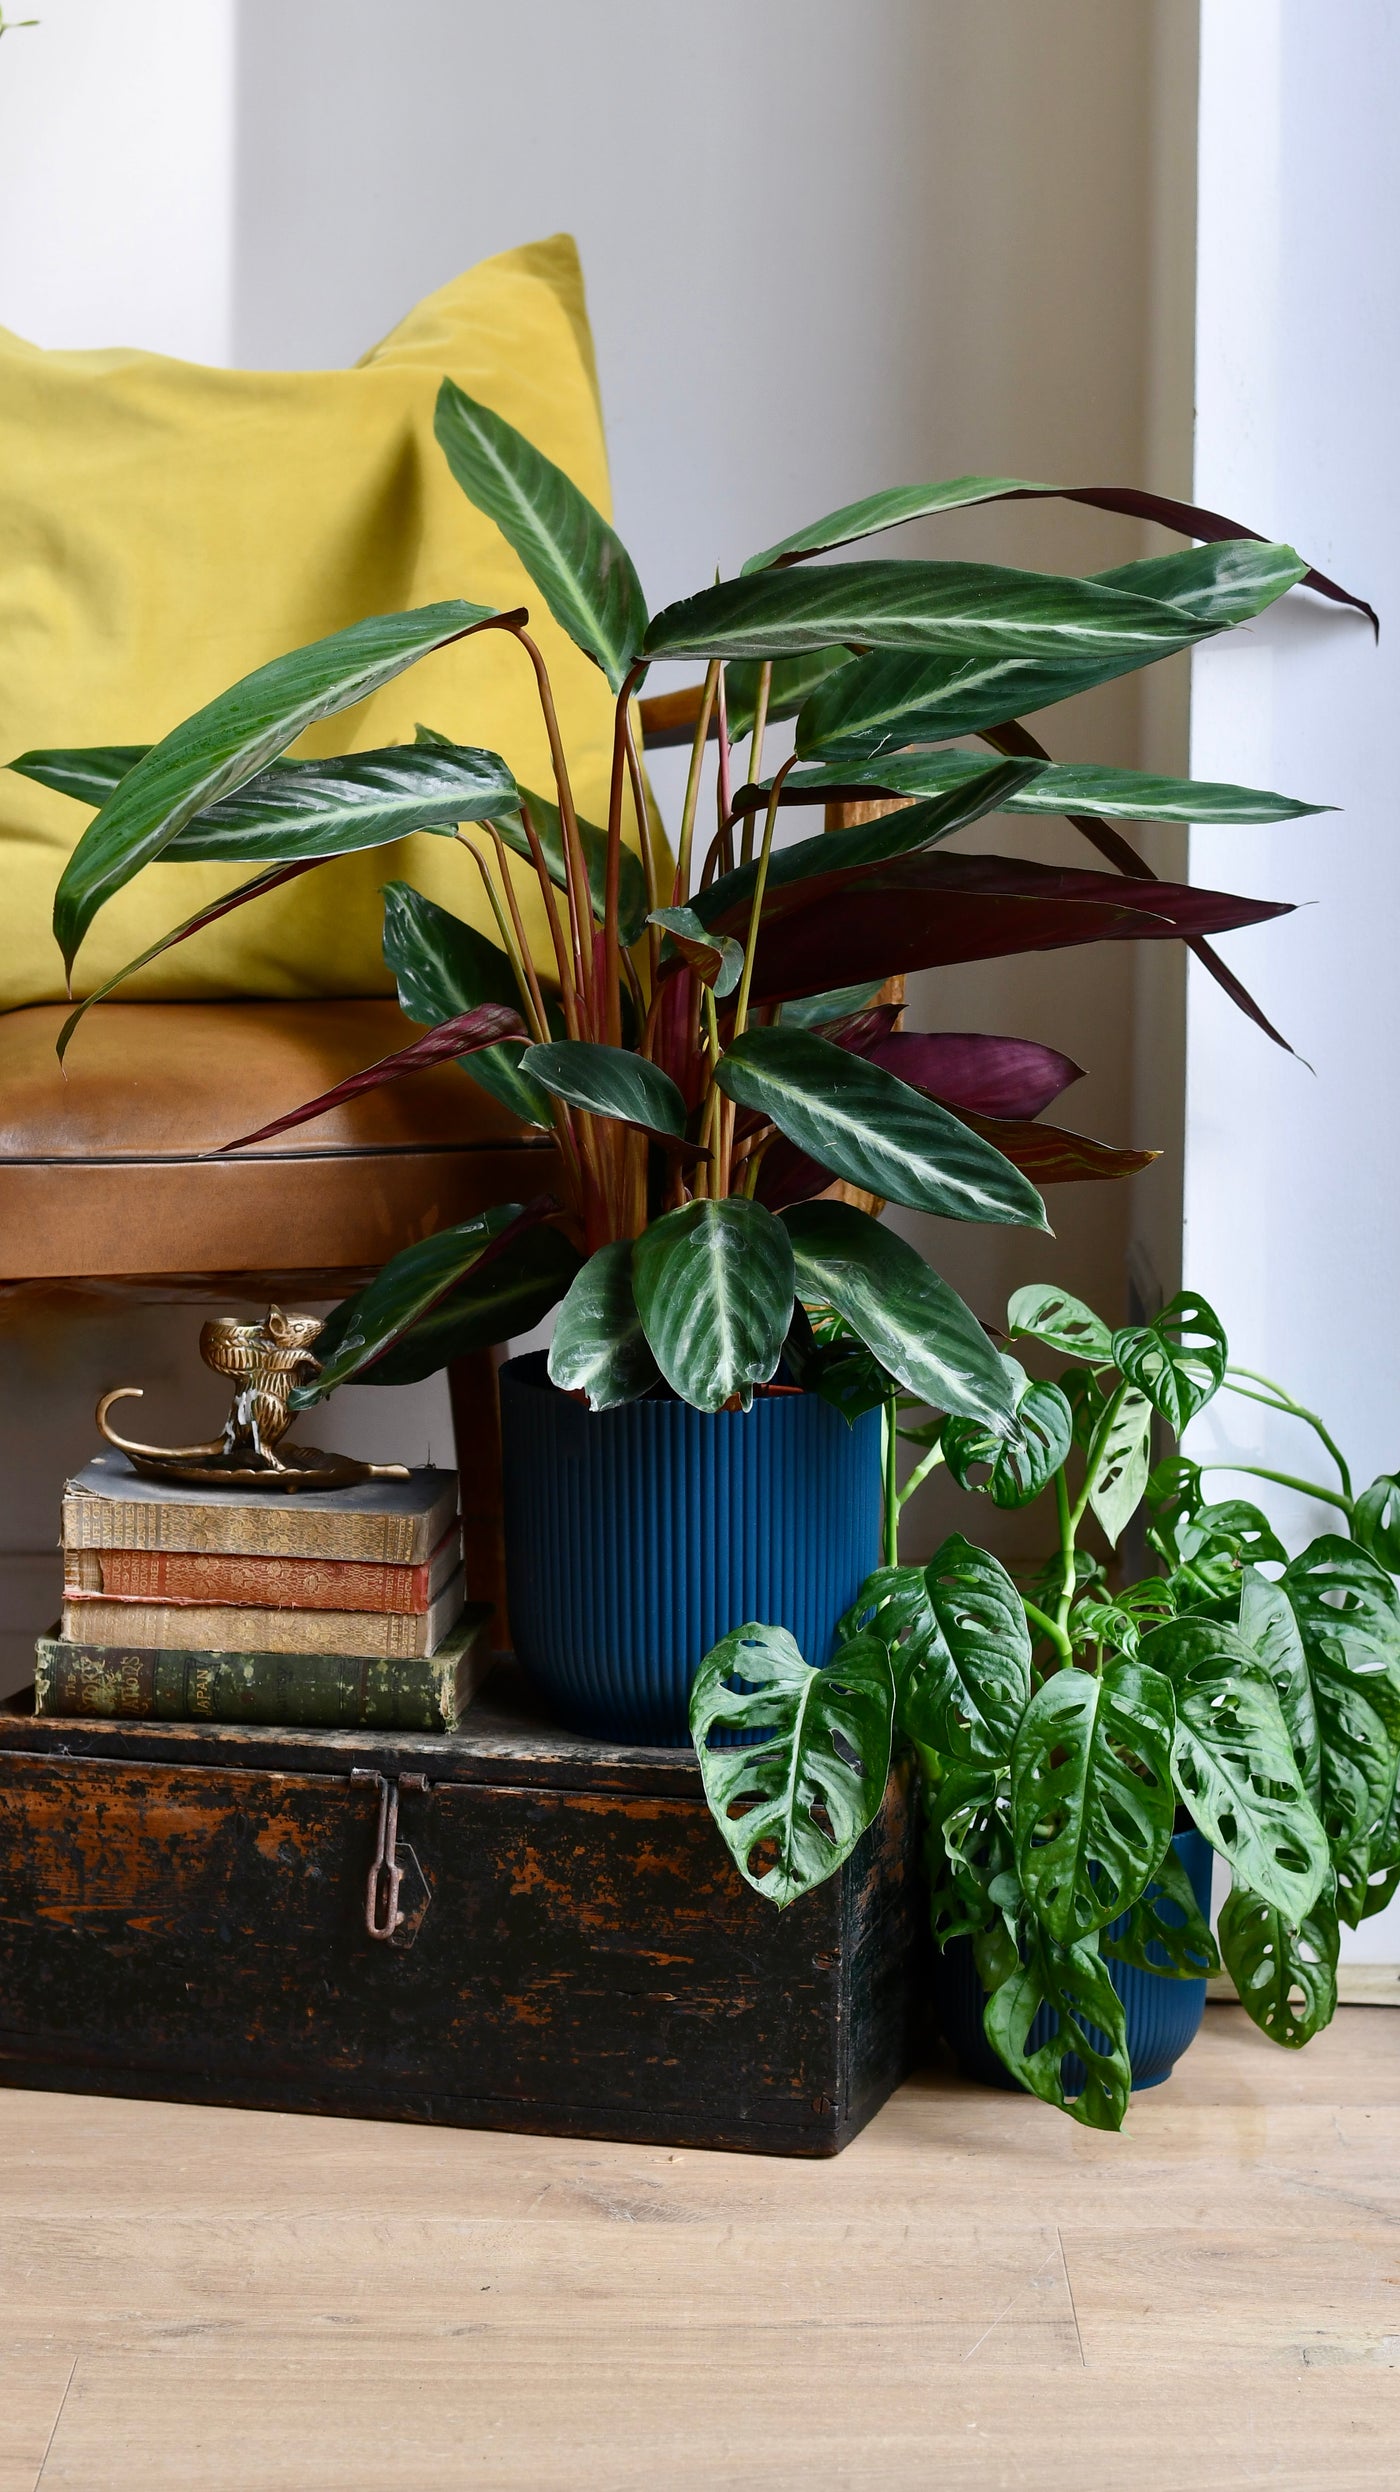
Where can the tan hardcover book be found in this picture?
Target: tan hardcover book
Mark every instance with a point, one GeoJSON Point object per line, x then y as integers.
{"type": "Point", "coordinates": [206, 1575]}
{"type": "Point", "coordinates": [378, 1523]}
{"type": "Point", "coordinates": [311, 1690]}
{"type": "Point", "coordinates": [192, 1626]}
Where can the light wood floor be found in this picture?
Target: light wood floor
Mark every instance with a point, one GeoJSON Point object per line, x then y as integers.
{"type": "Point", "coordinates": [976, 2294]}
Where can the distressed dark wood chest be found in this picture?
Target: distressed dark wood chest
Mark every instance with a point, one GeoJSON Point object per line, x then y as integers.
{"type": "Point", "coordinates": [208, 1915]}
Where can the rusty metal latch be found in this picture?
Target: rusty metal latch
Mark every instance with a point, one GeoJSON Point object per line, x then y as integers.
{"type": "Point", "coordinates": [386, 1915]}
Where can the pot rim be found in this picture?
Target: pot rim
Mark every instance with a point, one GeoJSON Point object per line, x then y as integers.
{"type": "Point", "coordinates": [518, 1369]}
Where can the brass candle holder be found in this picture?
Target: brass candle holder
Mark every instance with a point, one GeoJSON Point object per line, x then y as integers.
{"type": "Point", "coordinates": [265, 1362]}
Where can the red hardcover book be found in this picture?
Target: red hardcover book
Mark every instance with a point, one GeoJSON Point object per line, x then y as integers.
{"type": "Point", "coordinates": [205, 1577]}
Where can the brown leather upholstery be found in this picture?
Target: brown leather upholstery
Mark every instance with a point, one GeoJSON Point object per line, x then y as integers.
{"type": "Point", "coordinates": [102, 1172]}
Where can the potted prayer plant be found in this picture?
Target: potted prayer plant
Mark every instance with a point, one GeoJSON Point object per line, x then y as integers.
{"type": "Point", "coordinates": [702, 1035]}
{"type": "Point", "coordinates": [1082, 1751]}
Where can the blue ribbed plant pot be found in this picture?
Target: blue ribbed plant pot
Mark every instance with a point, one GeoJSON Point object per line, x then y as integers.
{"type": "Point", "coordinates": [636, 1538]}
{"type": "Point", "coordinates": [1163, 2015]}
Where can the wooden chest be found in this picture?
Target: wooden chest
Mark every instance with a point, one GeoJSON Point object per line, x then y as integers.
{"type": "Point", "coordinates": [208, 1915]}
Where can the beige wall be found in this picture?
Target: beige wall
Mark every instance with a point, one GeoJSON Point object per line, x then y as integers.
{"type": "Point", "coordinates": [827, 247]}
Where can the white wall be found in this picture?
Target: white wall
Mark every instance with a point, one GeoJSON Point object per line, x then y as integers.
{"type": "Point", "coordinates": [116, 175]}
{"type": "Point", "coordinates": [1292, 1192]}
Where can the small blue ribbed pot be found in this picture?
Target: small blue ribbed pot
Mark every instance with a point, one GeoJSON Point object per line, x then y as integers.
{"type": "Point", "coordinates": [637, 1537]}
{"type": "Point", "coordinates": [1163, 2015]}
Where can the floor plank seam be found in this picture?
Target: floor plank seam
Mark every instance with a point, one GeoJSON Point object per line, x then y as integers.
{"type": "Point", "coordinates": [1073, 2305]}
{"type": "Point", "coordinates": [53, 2434]}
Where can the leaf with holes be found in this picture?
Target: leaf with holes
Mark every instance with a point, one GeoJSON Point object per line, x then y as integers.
{"type": "Point", "coordinates": [1235, 1526]}
{"type": "Point", "coordinates": [1122, 1623]}
{"type": "Point", "coordinates": [794, 1807]}
{"type": "Point", "coordinates": [599, 1347]}
{"type": "Point", "coordinates": [1124, 1450]}
{"type": "Point", "coordinates": [960, 1649]}
{"type": "Point", "coordinates": [871, 1129]}
{"type": "Point", "coordinates": [1165, 1932]}
{"type": "Point", "coordinates": [234, 737]}
{"type": "Point", "coordinates": [1234, 1763]}
{"type": "Point", "coordinates": [969, 1815]}
{"type": "Point", "coordinates": [1087, 2024]}
{"type": "Point", "coordinates": [1375, 1522]}
{"type": "Point", "coordinates": [1044, 1313]}
{"type": "Point", "coordinates": [917, 1327]}
{"type": "Point", "coordinates": [714, 1289]}
{"type": "Point", "coordinates": [1269, 1628]}
{"type": "Point", "coordinates": [580, 566]}
{"type": "Point", "coordinates": [1019, 1467]}
{"type": "Point", "coordinates": [1091, 1794]}
{"type": "Point", "coordinates": [1178, 1360]}
{"type": "Point", "coordinates": [1346, 1605]}
{"type": "Point", "coordinates": [1347, 1613]}
{"type": "Point", "coordinates": [1382, 1878]}
{"type": "Point", "coordinates": [1285, 1972]}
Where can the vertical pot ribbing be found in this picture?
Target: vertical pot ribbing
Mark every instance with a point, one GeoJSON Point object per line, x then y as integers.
{"type": "Point", "coordinates": [636, 1538]}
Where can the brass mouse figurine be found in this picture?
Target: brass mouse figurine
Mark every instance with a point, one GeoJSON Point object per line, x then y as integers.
{"type": "Point", "coordinates": [265, 1362]}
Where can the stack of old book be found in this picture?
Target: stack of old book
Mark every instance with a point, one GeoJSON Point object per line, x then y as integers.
{"type": "Point", "coordinates": [336, 1608]}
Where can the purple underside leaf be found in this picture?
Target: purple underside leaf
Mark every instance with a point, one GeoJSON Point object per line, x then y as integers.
{"type": "Point", "coordinates": [1013, 738]}
{"type": "Point", "coordinates": [484, 1026]}
{"type": "Point", "coordinates": [931, 910]}
{"type": "Point", "coordinates": [965, 1070]}
{"type": "Point", "coordinates": [1054, 1154]}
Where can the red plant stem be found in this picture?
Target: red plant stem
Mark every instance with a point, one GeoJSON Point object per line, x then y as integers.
{"type": "Point", "coordinates": [681, 888]}
{"type": "Point", "coordinates": [568, 993]}
{"type": "Point", "coordinates": [523, 974]}
{"type": "Point", "coordinates": [612, 949]}
{"type": "Point", "coordinates": [724, 791]}
{"type": "Point", "coordinates": [741, 1005]}
{"type": "Point", "coordinates": [650, 865]}
{"type": "Point", "coordinates": [575, 866]}
{"type": "Point", "coordinates": [760, 723]}
{"type": "Point", "coordinates": [517, 921]}
{"type": "Point", "coordinates": [572, 1140]}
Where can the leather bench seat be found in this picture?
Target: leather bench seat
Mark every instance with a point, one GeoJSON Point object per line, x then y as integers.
{"type": "Point", "coordinates": [103, 1166]}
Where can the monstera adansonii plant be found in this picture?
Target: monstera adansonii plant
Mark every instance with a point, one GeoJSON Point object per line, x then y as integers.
{"type": "Point", "coordinates": [1059, 1729]}
{"type": "Point", "coordinates": [701, 1033]}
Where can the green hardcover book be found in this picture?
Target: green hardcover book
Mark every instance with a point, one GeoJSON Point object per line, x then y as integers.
{"type": "Point", "coordinates": [311, 1691]}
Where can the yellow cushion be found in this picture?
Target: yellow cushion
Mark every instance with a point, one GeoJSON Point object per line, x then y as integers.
{"type": "Point", "coordinates": [165, 528]}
